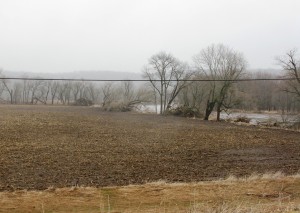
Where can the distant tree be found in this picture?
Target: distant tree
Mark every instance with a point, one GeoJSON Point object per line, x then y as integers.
{"type": "Point", "coordinates": [7, 86]}
{"type": "Point", "coordinates": [108, 95]}
{"type": "Point", "coordinates": [54, 87]}
{"type": "Point", "coordinates": [219, 62]}
{"type": "Point", "coordinates": [1, 85]}
{"type": "Point", "coordinates": [192, 96]}
{"type": "Point", "coordinates": [130, 96]}
{"type": "Point", "coordinates": [291, 65]}
{"type": "Point", "coordinates": [64, 92]}
{"type": "Point", "coordinates": [123, 96]}
{"type": "Point", "coordinates": [92, 92]}
{"type": "Point", "coordinates": [77, 89]}
{"type": "Point", "coordinates": [264, 91]}
{"type": "Point", "coordinates": [43, 92]}
{"type": "Point", "coordinates": [39, 91]}
{"type": "Point", "coordinates": [11, 90]}
{"type": "Point", "coordinates": [17, 96]}
{"type": "Point", "coordinates": [165, 73]}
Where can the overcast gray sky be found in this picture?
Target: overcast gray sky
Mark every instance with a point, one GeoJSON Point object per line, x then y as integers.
{"type": "Point", "coordinates": [119, 35]}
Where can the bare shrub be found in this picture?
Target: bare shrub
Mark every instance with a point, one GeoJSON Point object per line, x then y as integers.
{"type": "Point", "coordinates": [296, 126]}
{"type": "Point", "coordinates": [123, 97]}
{"type": "Point", "coordinates": [82, 102]}
{"type": "Point", "coordinates": [184, 111]}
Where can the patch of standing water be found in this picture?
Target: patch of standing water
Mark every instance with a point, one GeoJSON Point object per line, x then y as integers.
{"type": "Point", "coordinates": [256, 118]}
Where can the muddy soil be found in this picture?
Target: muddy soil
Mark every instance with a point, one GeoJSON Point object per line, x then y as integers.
{"type": "Point", "coordinates": [56, 146]}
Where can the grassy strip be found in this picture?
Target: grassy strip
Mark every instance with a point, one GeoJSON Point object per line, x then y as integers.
{"type": "Point", "coordinates": [256, 193]}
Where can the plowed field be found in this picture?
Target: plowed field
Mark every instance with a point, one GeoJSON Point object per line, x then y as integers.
{"type": "Point", "coordinates": [57, 146]}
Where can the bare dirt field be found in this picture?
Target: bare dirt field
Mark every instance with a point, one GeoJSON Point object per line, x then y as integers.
{"type": "Point", "coordinates": [57, 146]}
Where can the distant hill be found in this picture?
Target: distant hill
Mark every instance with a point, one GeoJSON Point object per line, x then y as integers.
{"type": "Point", "coordinates": [271, 71]}
{"type": "Point", "coordinates": [107, 75]}
{"type": "Point", "coordinates": [101, 75]}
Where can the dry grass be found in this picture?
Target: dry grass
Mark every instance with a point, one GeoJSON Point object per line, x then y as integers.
{"type": "Point", "coordinates": [256, 193]}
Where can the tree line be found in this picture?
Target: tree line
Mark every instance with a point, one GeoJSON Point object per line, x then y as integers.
{"type": "Point", "coordinates": [222, 67]}
{"type": "Point", "coordinates": [210, 84]}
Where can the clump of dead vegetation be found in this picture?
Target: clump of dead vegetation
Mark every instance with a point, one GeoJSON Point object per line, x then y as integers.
{"type": "Point", "coordinates": [83, 102]}
{"type": "Point", "coordinates": [243, 119]}
{"type": "Point", "coordinates": [287, 122]}
{"type": "Point", "coordinates": [185, 111]}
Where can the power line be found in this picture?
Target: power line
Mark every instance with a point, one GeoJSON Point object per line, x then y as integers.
{"type": "Point", "coordinates": [147, 80]}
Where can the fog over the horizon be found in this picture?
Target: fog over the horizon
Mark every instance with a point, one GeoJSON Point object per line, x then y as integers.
{"type": "Point", "coordinates": [74, 35]}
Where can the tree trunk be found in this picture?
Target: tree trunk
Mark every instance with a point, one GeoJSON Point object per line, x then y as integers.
{"type": "Point", "coordinates": [161, 99]}
{"type": "Point", "coordinates": [218, 112]}
{"type": "Point", "coordinates": [11, 97]}
{"type": "Point", "coordinates": [209, 108]}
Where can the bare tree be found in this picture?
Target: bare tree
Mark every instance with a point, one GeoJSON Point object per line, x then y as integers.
{"type": "Point", "coordinates": [64, 92]}
{"type": "Point", "coordinates": [291, 65]}
{"type": "Point", "coordinates": [192, 97]}
{"type": "Point", "coordinates": [108, 94]}
{"type": "Point", "coordinates": [25, 91]}
{"type": "Point", "coordinates": [17, 96]}
{"type": "Point", "coordinates": [54, 87]}
{"type": "Point", "coordinates": [39, 91]}
{"type": "Point", "coordinates": [219, 63]}
{"type": "Point", "coordinates": [77, 89]}
{"type": "Point", "coordinates": [92, 92]}
{"type": "Point", "coordinates": [165, 74]}
{"type": "Point", "coordinates": [13, 91]}
{"type": "Point", "coordinates": [1, 85]}
{"type": "Point", "coordinates": [8, 87]}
